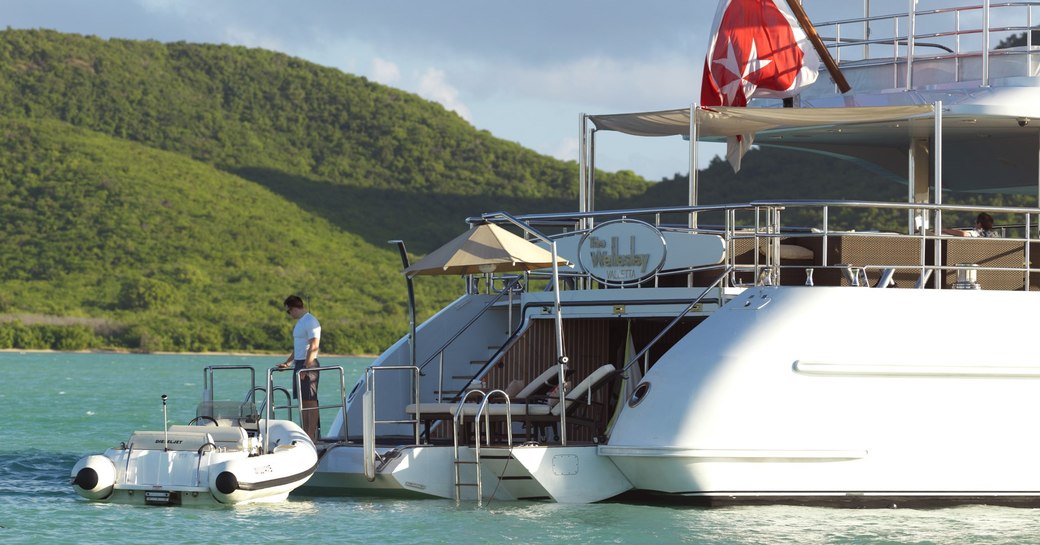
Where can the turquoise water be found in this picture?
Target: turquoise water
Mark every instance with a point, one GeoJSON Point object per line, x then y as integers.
{"type": "Point", "coordinates": [55, 408]}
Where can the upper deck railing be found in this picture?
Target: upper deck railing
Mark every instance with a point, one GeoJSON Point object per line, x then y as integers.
{"type": "Point", "coordinates": [937, 46]}
{"type": "Point", "coordinates": [832, 248]}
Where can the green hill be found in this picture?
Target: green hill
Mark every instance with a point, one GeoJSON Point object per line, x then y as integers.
{"type": "Point", "coordinates": [175, 254]}
{"type": "Point", "coordinates": [296, 127]}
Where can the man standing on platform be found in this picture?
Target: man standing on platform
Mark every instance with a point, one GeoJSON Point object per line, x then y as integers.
{"type": "Point", "coordinates": [306, 337]}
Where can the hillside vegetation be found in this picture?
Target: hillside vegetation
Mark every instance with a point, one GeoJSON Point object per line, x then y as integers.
{"type": "Point", "coordinates": [175, 254]}
{"type": "Point", "coordinates": [169, 196]}
{"type": "Point", "coordinates": [310, 133]}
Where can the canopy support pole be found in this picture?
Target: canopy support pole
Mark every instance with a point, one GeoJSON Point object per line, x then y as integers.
{"type": "Point", "coordinates": [985, 43]}
{"type": "Point", "coordinates": [918, 185]}
{"type": "Point", "coordinates": [692, 197]}
{"type": "Point", "coordinates": [411, 299]}
{"type": "Point", "coordinates": [910, 36]}
{"type": "Point", "coordinates": [583, 156]}
{"type": "Point", "coordinates": [590, 192]}
{"type": "Point", "coordinates": [937, 172]}
{"type": "Point", "coordinates": [586, 171]}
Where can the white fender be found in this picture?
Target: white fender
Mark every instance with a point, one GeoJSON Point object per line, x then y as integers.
{"type": "Point", "coordinates": [94, 477]}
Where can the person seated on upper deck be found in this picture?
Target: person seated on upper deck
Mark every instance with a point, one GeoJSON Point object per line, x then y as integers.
{"type": "Point", "coordinates": [983, 228]}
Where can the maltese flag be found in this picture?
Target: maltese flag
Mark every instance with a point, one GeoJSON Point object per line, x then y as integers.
{"type": "Point", "coordinates": [757, 49]}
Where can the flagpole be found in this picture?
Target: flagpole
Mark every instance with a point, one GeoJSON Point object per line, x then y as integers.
{"type": "Point", "coordinates": [814, 38]}
{"type": "Point", "coordinates": [692, 197]}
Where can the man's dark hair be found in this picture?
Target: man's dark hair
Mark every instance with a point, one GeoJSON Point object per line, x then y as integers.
{"type": "Point", "coordinates": [293, 301]}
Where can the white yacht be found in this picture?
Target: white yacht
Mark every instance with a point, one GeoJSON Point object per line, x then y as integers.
{"type": "Point", "coordinates": [754, 352]}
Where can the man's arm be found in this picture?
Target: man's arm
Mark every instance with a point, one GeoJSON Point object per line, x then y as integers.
{"type": "Point", "coordinates": [312, 351]}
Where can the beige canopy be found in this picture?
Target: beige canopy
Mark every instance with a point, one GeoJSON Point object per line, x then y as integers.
{"type": "Point", "coordinates": [486, 248]}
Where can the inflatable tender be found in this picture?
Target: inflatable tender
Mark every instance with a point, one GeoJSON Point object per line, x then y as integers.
{"type": "Point", "coordinates": [200, 464]}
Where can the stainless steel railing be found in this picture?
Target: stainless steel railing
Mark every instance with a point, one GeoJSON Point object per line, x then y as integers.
{"type": "Point", "coordinates": [763, 222]}
{"type": "Point", "coordinates": [959, 33]}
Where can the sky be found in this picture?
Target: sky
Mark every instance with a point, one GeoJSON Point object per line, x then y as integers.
{"type": "Point", "coordinates": [522, 70]}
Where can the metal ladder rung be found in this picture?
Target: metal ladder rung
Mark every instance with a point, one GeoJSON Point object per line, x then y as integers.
{"type": "Point", "coordinates": [458, 421]}
{"type": "Point", "coordinates": [409, 421]}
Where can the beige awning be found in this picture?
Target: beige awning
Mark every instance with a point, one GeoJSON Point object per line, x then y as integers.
{"type": "Point", "coordinates": [486, 248]}
{"type": "Point", "coordinates": [724, 121]}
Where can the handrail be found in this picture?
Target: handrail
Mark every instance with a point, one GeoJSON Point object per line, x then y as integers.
{"type": "Point", "coordinates": [675, 320]}
{"type": "Point", "coordinates": [904, 35]}
{"type": "Point", "coordinates": [472, 320]}
{"type": "Point", "coordinates": [269, 407]}
{"type": "Point", "coordinates": [848, 42]}
{"type": "Point", "coordinates": [751, 205]}
{"type": "Point", "coordinates": [772, 230]}
{"type": "Point", "coordinates": [487, 418]}
{"type": "Point", "coordinates": [487, 432]}
{"type": "Point", "coordinates": [263, 406]}
{"type": "Point", "coordinates": [209, 383]}
{"type": "Point", "coordinates": [899, 205]}
{"type": "Point", "coordinates": [207, 378]}
{"type": "Point", "coordinates": [368, 410]}
{"type": "Point", "coordinates": [370, 385]}
{"type": "Point", "coordinates": [934, 11]}
{"type": "Point", "coordinates": [342, 405]}
{"type": "Point", "coordinates": [457, 417]}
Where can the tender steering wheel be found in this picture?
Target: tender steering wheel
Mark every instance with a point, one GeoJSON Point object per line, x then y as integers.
{"type": "Point", "coordinates": [195, 421]}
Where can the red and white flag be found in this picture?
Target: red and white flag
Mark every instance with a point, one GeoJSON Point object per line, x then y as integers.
{"type": "Point", "coordinates": [757, 49]}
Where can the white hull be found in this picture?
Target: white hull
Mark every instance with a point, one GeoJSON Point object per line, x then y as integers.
{"type": "Point", "coordinates": [793, 399]}
{"type": "Point", "coordinates": [563, 474]}
{"type": "Point", "coordinates": [836, 392]}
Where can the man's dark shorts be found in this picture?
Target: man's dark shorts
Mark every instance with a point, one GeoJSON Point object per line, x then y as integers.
{"type": "Point", "coordinates": [308, 380]}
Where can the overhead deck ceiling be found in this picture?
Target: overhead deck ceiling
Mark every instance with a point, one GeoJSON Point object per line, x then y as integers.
{"type": "Point", "coordinates": [982, 151]}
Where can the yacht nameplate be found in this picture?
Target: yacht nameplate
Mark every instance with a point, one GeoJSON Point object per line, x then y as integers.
{"type": "Point", "coordinates": [622, 252]}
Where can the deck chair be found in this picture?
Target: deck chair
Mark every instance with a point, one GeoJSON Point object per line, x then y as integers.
{"type": "Point", "coordinates": [543, 383]}
{"type": "Point", "coordinates": [579, 396]}
{"type": "Point", "coordinates": [583, 389]}
{"type": "Point", "coordinates": [529, 412]}
{"type": "Point", "coordinates": [539, 387]}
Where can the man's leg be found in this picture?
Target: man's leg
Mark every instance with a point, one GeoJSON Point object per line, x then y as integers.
{"type": "Point", "coordinates": [311, 420]}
